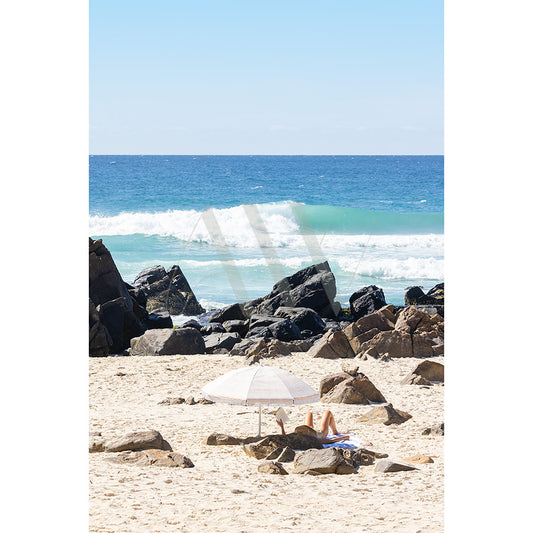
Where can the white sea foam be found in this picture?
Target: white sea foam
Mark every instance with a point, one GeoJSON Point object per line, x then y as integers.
{"type": "Point", "coordinates": [236, 230]}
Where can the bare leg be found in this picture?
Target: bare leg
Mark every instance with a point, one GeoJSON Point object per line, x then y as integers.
{"type": "Point", "coordinates": [327, 423]}
{"type": "Point", "coordinates": [309, 419]}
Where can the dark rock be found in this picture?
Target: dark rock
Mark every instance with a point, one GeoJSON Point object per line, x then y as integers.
{"type": "Point", "coordinates": [174, 341]}
{"type": "Point", "coordinates": [325, 461]}
{"type": "Point", "coordinates": [236, 326]}
{"type": "Point", "coordinates": [99, 338]}
{"type": "Point", "coordinates": [305, 318]}
{"type": "Point", "coordinates": [138, 440]}
{"type": "Point", "coordinates": [437, 293]}
{"type": "Point", "coordinates": [212, 328]}
{"type": "Point", "coordinates": [159, 319]}
{"type": "Point", "coordinates": [192, 324]}
{"type": "Point", "coordinates": [217, 341]}
{"type": "Point", "coordinates": [313, 287]}
{"type": "Point", "coordinates": [167, 289]}
{"type": "Point", "coordinates": [231, 312]}
{"type": "Point", "coordinates": [366, 301]}
{"type": "Point", "coordinates": [285, 330]}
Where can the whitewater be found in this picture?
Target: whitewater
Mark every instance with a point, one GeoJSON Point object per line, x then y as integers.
{"type": "Point", "coordinates": [393, 240]}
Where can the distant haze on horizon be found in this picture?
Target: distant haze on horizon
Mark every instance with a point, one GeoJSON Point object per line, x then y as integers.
{"type": "Point", "coordinates": [299, 78]}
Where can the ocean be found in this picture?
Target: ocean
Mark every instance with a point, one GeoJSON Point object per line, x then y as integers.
{"type": "Point", "coordinates": [237, 224]}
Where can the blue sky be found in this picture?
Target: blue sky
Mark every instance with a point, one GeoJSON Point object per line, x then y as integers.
{"type": "Point", "coordinates": [246, 77]}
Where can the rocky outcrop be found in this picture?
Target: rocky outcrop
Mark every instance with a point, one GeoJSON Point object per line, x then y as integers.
{"type": "Point", "coordinates": [169, 290]}
{"type": "Point", "coordinates": [366, 301]}
{"type": "Point", "coordinates": [313, 287]}
{"type": "Point", "coordinates": [112, 311]}
{"type": "Point", "coordinates": [332, 345]}
{"type": "Point", "coordinates": [410, 333]}
{"type": "Point", "coordinates": [174, 341]}
{"type": "Point", "coordinates": [351, 389]}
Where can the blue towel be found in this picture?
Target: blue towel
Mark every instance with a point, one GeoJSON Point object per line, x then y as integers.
{"type": "Point", "coordinates": [352, 442]}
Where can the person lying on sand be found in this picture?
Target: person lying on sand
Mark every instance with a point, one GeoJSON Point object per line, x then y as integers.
{"type": "Point", "coordinates": [321, 433]}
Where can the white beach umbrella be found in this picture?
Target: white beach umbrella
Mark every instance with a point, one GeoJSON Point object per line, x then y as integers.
{"type": "Point", "coordinates": [260, 385]}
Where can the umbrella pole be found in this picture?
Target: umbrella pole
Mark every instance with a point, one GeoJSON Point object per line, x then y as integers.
{"type": "Point", "coordinates": [259, 434]}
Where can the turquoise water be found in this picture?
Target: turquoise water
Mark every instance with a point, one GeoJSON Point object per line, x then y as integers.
{"type": "Point", "coordinates": [235, 224]}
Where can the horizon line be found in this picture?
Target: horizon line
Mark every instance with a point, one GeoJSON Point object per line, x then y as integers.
{"type": "Point", "coordinates": [276, 155]}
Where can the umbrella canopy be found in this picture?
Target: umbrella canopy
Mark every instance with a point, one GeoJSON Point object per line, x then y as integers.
{"type": "Point", "coordinates": [260, 385]}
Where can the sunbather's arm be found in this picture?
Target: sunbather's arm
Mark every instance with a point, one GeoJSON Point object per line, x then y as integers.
{"type": "Point", "coordinates": [335, 439]}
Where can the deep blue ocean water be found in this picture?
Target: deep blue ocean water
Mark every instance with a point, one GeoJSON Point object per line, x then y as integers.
{"type": "Point", "coordinates": [235, 224]}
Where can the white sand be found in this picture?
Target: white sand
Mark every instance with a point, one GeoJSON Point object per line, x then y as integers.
{"type": "Point", "coordinates": [126, 498]}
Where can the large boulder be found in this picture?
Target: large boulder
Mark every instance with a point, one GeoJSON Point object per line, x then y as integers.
{"type": "Point", "coordinates": [397, 332]}
{"type": "Point", "coordinates": [168, 289]}
{"type": "Point", "coordinates": [182, 341]}
{"type": "Point", "coordinates": [366, 301]}
{"type": "Point", "coordinates": [332, 345]}
{"type": "Point", "coordinates": [313, 287]}
{"type": "Point", "coordinates": [325, 461]}
{"type": "Point", "coordinates": [112, 308]}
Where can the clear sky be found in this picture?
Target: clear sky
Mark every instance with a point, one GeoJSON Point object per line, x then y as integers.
{"type": "Point", "coordinates": [276, 77]}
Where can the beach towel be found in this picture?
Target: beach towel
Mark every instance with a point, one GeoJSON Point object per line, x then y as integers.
{"type": "Point", "coordinates": [352, 442]}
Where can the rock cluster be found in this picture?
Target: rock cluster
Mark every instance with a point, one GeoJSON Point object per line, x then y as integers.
{"type": "Point", "coordinates": [117, 311]}
{"type": "Point", "coordinates": [299, 314]}
{"type": "Point", "coordinates": [409, 332]}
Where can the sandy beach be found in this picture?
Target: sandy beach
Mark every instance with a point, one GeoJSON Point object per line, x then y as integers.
{"type": "Point", "coordinates": [225, 491]}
